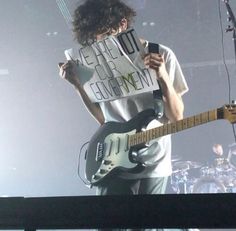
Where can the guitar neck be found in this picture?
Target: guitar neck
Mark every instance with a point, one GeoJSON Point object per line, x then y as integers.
{"type": "Point", "coordinates": [189, 122]}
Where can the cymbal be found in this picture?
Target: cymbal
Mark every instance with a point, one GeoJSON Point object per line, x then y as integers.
{"type": "Point", "coordinates": [175, 158]}
{"type": "Point", "coordinates": [185, 165]}
{"type": "Point", "coordinates": [232, 148]}
{"type": "Point", "coordinates": [180, 166]}
{"type": "Point", "coordinates": [194, 164]}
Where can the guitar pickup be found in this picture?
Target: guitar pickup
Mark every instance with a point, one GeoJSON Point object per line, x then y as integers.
{"type": "Point", "coordinates": [103, 171]}
{"type": "Point", "coordinates": [100, 151]}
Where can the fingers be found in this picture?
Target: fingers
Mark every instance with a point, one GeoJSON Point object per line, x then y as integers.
{"type": "Point", "coordinates": [60, 64]}
{"type": "Point", "coordinates": [67, 71]}
{"type": "Point", "coordinates": [64, 68]}
{"type": "Point", "coordinates": [154, 60]}
{"type": "Point", "coordinates": [64, 65]}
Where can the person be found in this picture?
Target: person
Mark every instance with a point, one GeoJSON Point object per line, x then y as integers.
{"type": "Point", "coordinates": [93, 20]}
{"type": "Point", "coordinates": [216, 156]}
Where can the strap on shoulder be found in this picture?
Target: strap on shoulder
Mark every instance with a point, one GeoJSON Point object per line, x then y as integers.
{"type": "Point", "coordinates": [157, 94]}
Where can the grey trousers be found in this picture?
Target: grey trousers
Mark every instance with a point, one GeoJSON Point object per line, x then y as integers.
{"type": "Point", "coordinates": [118, 186]}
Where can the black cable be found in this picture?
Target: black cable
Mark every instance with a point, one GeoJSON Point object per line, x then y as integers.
{"type": "Point", "coordinates": [234, 132]}
{"type": "Point", "coordinates": [224, 62]}
{"type": "Point", "coordinates": [223, 53]}
{"type": "Point", "coordinates": [87, 183]}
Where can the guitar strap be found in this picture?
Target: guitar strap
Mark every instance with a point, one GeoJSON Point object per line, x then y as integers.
{"type": "Point", "coordinates": [157, 94]}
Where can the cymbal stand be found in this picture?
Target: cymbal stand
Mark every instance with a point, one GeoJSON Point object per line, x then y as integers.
{"type": "Point", "coordinates": [181, 180]}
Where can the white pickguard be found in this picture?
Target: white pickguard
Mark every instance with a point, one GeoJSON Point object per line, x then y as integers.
{"type": "Point", "coordinates": [116, 153]}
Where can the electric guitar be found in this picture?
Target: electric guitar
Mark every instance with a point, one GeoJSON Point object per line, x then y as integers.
{"type": "Point", "coordinates": [111, 147]}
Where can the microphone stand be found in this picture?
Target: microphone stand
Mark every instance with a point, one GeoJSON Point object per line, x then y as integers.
{"type": "Point", "coordinates": [231, 19]}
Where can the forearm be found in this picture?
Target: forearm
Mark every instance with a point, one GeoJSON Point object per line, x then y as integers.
{"type": "Point", "coordinates": [68, 71]}
{"type": "Point", "coordinates": [93, 108]}
{"type": "Point", "coordinates": [173, 104]}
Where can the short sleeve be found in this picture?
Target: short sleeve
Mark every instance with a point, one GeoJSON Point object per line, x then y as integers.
{"type": "Point", "coordinates": [174, 70]}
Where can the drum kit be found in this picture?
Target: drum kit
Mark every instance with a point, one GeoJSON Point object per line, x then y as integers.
{"type": "Point", "coordinates": [195, 177]}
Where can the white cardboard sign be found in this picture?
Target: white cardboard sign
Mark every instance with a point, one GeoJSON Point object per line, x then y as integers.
{"type": "Point", "coordinates": [113, 67]}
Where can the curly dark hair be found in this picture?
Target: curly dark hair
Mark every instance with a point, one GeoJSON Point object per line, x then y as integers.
{"type": "Point", "coordinates": [95, 17]}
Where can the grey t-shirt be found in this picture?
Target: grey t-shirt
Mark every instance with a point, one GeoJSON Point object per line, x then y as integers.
{"type": "Point", "coordinates": [124, 109]}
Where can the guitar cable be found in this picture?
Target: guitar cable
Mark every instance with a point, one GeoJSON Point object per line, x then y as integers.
{"type": "Point", "coordinates": [87, 183]}
{"type": "Point", "coordinates": [224, 62]}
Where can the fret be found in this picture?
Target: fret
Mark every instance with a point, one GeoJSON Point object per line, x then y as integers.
{"type": "Point", "coordinates": [157, 132]}
{"type": "Point", "coordinates": [139, 137]}
{"type": "Point", "coordinates": [149, 135]}
{"type": "Point", "coordinates": [197, 120]}
{"type": "Point", "coordinates": [165, 131]}
{"type": "Point", "coordinates": [212, 115]}
{"type": "Point", "coordinates": [184, 124]}
{"type": "Point", "coordinates": [179, 125]}
{"type": "Point", "coordinates": [173, 127]}
{"type": "Point", "coordinates": [153, 133]}
{"type": "Point", "coordinates": [168, 129]}
{"type": "Point", "coordinates": [135, 139]}
{"type": "Point", "coordinates": [146, 136]}
{"type": "Point", "coordinates": [142, 137]}
{"type": "Point", "coordinates": [190, 122]}
{"type": "Point", "coordinates": [161, 131]}
{"type": "Point", "coordinates": [204, 117]}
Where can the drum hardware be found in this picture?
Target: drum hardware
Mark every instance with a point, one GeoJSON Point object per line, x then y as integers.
{"type": "Point", "coordinates": [232, 155]}
{"type": "Point", "coordinates": [208, 185]}
{"type": "Point", "coordinates": [180, 180]}
{"type": "Point", "coordinates": [223, 165]}
{"type": "Point", "coordinates": [232, 148]}
{"type": "Point", "coordinates": [219, 178]}
{"type": "Point", "coordinates": [206, 171]}
{"type": "Point", "coordinates": [230, 188]}
{"type": "Point", "coordinates": [180, 165]}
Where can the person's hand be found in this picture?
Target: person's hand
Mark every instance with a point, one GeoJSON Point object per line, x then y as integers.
{"type": "Point", "coordinates": [156, 62]}
{"type": "Point", "coordinates": [149, 155]}
{"type": "Point", "coordinates": [68, 71]}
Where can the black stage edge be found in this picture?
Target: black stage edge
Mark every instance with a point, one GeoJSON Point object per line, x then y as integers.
{"type": "Point", "coordinates": [141, 211]}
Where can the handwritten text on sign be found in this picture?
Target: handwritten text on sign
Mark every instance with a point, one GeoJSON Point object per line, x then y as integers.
{"type": "Point", "coordinates": [113, 68]}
